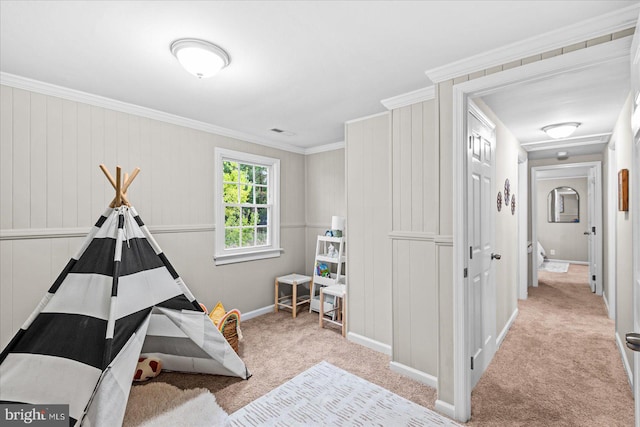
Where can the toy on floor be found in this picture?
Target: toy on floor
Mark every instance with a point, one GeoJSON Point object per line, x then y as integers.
{"type": "Point", "coordinates": [228, 323]}
{"type": "Point", "coordinates": [148, 367]}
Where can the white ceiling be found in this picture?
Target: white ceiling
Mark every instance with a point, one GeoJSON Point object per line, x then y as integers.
{"type": "Point", "coordinates": [304, 66]}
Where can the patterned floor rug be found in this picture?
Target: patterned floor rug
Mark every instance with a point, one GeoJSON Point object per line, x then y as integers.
{"type": "Point", "coordinates": [555, 266]}
{"type": "Point", "coordinates": [327, 395]}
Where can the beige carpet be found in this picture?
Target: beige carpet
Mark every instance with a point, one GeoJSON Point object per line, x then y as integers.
{"type": "Point", "coordinates": [277, 347]}
{"type": "Point", "coordinates": [559, 364]}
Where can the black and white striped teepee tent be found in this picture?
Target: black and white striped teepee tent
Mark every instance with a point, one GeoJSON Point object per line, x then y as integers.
{"type": "Point", "coordinates": [117, 298]}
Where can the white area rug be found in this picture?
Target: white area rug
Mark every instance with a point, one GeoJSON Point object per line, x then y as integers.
{"type": "Point", "coordinates": [326, 395]}
{"type": "Point", "coordinates": [164, 405]}
{"type": "Point", "coordinates": [555, 266]}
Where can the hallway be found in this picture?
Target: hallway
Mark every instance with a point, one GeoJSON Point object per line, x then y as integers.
{"type": "Point", "coordinates": [559, 364]}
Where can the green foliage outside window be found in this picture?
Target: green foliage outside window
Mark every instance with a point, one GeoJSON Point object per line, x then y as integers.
{"type": "Point", "coordinates": [245, 198]}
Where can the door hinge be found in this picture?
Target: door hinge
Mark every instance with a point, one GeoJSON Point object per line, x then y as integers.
{"type": "Point", "coordinates": [472, 363]}
{"type": "Point", "coordinates": [593, 230]}
{"type": "Point", "coordinates": [470, 252]}
{"type": "Point", "coordinates": [465, 273]}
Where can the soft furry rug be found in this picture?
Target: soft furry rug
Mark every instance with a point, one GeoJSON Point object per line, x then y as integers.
{"type": "Point", "coordinates": [164, 405]}
{"type": "Point", "coordinates": [326, 395]}
{"type": "Point", "coordinates": [555, 266]}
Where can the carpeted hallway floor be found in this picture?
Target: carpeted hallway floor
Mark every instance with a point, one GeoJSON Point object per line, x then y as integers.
{"type": "Point", "coordinates": [559, 364]}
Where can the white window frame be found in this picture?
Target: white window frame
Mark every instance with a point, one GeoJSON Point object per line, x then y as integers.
{"type": "Point", "coordinates": [228, 256]}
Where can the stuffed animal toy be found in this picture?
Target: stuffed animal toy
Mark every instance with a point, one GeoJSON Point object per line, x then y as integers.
{"type": "Point", "coordinates": [148, 367]}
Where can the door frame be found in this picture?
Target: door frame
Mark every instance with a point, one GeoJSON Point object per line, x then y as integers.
{"type": "Point", "coordinates": [523, 227]}
{"type": "Point", "coordinates": [617, 50]}
{"type": "Point", "coordinates": [612, 212]}
{"type": "Point", "coordinates": [569, 170]}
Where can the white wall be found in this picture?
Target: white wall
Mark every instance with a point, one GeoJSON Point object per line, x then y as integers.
{"type": "Point", "coordinates": [368, 225]}
{"type": "Point", "coordinates": [324, 196]}
{"type": "Point", "coordinates": [624, 244]}
{"type": "Point", "coordinates": [51, 192]}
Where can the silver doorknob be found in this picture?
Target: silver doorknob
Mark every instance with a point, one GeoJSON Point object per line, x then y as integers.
{"type": "Point", "coordinates": [496, 256]}
{"type": "Point", "coordinates": [633, 341]}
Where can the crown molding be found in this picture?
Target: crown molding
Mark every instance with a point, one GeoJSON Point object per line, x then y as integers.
{"type": "Point", "coordinates": [601, 138]}
{"type": "Point", "coordinates": [582, 31]}
{"type": "Point", "coordinates": [409, 98]}
{"type": "Point", "coordinates": [371, 116]}
{"type": "Point", "coordinates": [323, 148]}
{"type": "Point", "coordinates": [20, 82]}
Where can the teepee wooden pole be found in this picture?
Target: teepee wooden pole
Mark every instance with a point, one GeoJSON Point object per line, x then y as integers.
{"type": "Point", "coordinates": [129, 180]}
{"type": "Point", "coordinates": [108, 175]}
{"type": "Point", "coordinates": [118, 187]}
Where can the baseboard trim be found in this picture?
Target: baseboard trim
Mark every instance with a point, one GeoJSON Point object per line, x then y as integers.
{"type": "Point", "coordinates": [625, 359]}
{"type": "Point", "coordinates": [506, 328]}
{"type": "Point", "coordinates": [259, 312]}
{"type": "Point", "coordinates": [568, 260]}
{"type": "Point", "coordinates": [369, 343]}
{"type": "Point", "coordinates": [408, 371]}
{"type": "Point", "coordinates": [445, 408]}
{"type": "Point", "coordinates": [606, 304]}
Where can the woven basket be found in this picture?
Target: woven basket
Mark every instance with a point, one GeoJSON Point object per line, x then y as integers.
{"type": "Point", "coordinates": [230, 332]}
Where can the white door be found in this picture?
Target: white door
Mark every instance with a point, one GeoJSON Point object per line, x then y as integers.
{"type": "Point", "coordinates": [481, 238]}
{"type": "Point", "coordinates": [591, 228]}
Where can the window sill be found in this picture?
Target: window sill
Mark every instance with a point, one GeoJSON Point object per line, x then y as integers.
{"type": "Point", "coordinates": [223, 259]}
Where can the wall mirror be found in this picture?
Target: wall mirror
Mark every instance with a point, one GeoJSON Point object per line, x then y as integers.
{"type": "Point", "coordinates": [563, 205]}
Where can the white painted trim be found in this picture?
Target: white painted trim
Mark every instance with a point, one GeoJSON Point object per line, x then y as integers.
{"type": "Point", "coordinates": [625, 359]}
{"type": "Point", "coordinates": [523, 229]}
{"type": "Point", "coordinates": [20, 82]}
{"type": "Point", "coordinates": [324, 148]}
{"type": "Point", "coordinates": [224, 259]}
{"type": "Point", "coordinates": [223, 255]}
{"type": "Point", "coordinates": [294, 225]}
{"type": "Point", "coordinates": [612, 230]}
{"type": "Point", "coordinates": [371, 116]}
{"type": "Point", "coordinates": [445, 408]}
{"type": "Point", "coordinates": [602, 53]}
{"type": "Point", "coordinates": [412, 235]}
{"type": "Point", "coordinates": [414, 374]}
{"type": "Point", "coordinates": [609, 23]}
{"type": "Point", "coordinates": [410, 98]}
{"type": "Point", "coordinates": [258, 312]}
{"type": "Point", "coordinates": [374, 345]}
{"type": "Point", "coordinates": [58, 233]}
{"type": "Point", "coordinates": [605, 53]}
{"type": "Point", "coordinates": [600, 138]}
{"type": "Point", "coordinates": [597, 203]}
{"type": "Point", "coordinates": [606, 304]}
{"type": "Point", "coordinates": [505, 330]}
{"type": "Point", "coordinates": [480, 115]}
{"type": "Point", "coordinates": [569, 261]}
{"type": "Point", "coordinates": [461, 410]}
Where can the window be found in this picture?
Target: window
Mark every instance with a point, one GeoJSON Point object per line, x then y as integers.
{"type": "Point", "coordinates": [247, 207]}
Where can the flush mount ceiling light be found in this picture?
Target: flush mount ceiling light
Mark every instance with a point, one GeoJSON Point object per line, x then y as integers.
{"type": "Point", "coordinates": [199, 57]}
{"type": "Point", "coordinates": [561, 130]}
